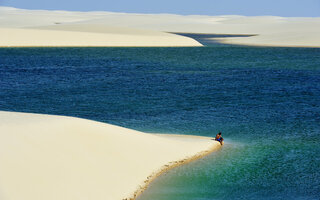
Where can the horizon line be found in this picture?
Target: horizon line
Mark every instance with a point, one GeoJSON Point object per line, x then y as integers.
{"type": "Point", "coordinates": [156, 13]}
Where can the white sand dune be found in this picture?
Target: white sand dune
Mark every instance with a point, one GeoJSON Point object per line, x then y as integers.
{"type": "Point", "coordinates": [42, 28]}
{"type": "Point", "coordinates": [55, 157]}
{"type": "Point", "coordinates": [15, 37]}
{"type": "Point", "coordinates": [285, 39]}
{"type": "Point", "coordinates": [149, 29]}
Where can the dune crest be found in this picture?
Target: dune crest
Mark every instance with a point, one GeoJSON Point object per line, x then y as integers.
{"type": "Point", "coordinates": [57, 157]}
{"type": "Point", "coordinates": [20, 27]}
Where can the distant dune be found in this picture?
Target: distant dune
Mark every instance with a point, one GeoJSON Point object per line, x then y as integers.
{"type": "Point", "coordinates": [20, 27]}
{"type": "Point", "coordinates": [22, 37]}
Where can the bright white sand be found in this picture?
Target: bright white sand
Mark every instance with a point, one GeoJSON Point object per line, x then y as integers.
{"type": "Point", "coordinates": [55, 157]}
{"type": "Point", "coordinates": [54, 28]}
{"type": "Point", "coordinates": [11, 37]}
{"type": "Point", "coordinates": [42, 28]}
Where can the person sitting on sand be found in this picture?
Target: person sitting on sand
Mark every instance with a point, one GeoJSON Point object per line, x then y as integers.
{"type": "Point", "coordinates": [219, 138]}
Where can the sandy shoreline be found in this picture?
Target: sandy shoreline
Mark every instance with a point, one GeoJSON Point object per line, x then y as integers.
{"type": "Point", "coordinates": [42, 28]}
{"type": "Point", "coordinates": [13, 37]}
{"type": "Point", "coordinates": [57, 157]}
{"type": "Point", "coordinates": [171, 165]}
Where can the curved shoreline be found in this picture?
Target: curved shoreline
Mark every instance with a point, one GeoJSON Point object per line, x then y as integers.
{"type": "Point", "coordinates": [60, 156]}
{"type": "Point", "coordinates": [46, 28]}
{"type": "Point", "coordinates": [168, 167]}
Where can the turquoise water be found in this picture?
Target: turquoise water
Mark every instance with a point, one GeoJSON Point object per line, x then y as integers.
{"type": "Point", "coordinates": [266, 102]}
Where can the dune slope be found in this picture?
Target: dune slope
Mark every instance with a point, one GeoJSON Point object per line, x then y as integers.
{"type": "Point", "coordinates": [19, 27]}
{"type": "Point", "coordinates": [18, 37]}
{"type": "Point", "coordinates": [56, 157]}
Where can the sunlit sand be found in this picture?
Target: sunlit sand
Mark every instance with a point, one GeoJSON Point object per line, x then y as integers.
{"type": "Point", "coordinates": [56, 157]}
{"type": "Point", "coordinates": [64, 28]}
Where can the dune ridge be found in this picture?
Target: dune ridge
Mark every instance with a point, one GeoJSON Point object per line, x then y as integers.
{"type": "Point", "coordinates": [14, 37]}
{"type": "Point", "coordinates": [132, 29]}
{"type": "Point", "coordinates": [57, 157]}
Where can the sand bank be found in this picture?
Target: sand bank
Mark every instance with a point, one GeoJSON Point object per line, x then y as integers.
{"type": "Point", "coordinates": [56, 157]}
{"type": "Point", "coordinates": [36, 28]}
{"type": "Point", "coordinates": [63, 28]}
{"type": "Point", "coordinates": [14, 37]}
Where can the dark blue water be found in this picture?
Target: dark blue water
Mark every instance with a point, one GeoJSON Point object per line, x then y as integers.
{"type": "Point", "coordinates": [266, 102]}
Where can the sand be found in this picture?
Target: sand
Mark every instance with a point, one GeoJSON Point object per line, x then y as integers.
{"type": "Point", "coordinates": [57, 157]}
{"type": "Point", "coordinates": [20, 27]}
{"type": "Point", "coordinates": [11, 37]}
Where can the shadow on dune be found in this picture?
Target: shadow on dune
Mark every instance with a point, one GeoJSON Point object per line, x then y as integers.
{"type": "Point", "coordinates": [207, 39]}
